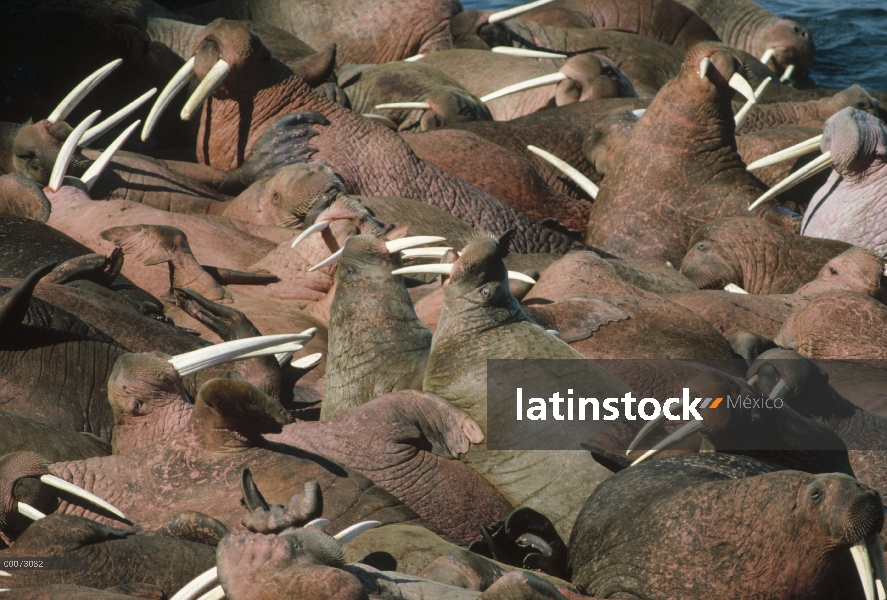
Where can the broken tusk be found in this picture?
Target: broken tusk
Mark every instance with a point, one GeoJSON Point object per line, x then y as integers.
{"type": "Point", "coordinates": [678, 436]}
{"type": "Point", "coordinates": [318, 523]}
{"type": "Point", "coordinates": [409, 242]}
{"type": "Point", "coordinates": [198, 584]}
{"type": "Point", "coordinates": [860, 554]}
{"type": "Point", "coordinates": [74, 490]}
{"type": "Point", "coordinates": [175, 85]}
{"type": "Point", "coordinates": [381, 120]}
{"type": "Point", "coordinates": [578, 178]}
{"type": "Point", "coordinates": [732, 287]}
{"type": "Point", "coordinates": [217, 593]}
{"type": "Point", "coordinates": [71, 101]}
{"type": "Point", "coordinates": [349, 533]}
{"type": "Point", "coordinates": [787, 74]}
{"type": "Point", "coordinates": [518, 276]}
{"type": "Point", "coordinates": [800, 149]}
{"type": "Point", "coordinates": [212, 80]}
{"type": "Point", "coordinates": [741, 85]}
{"type": "Point", "coordinates": [307, 362]}
{"type": "Point", "coordinates": [26, 510]}
{"type": "Point", "coordinates": [703, 67]}
{"type": "Point", "coordinates": [767, 55]}
{"type": "Point", "coordinates": [404, 106]}
{"type": "Point", "coordinates": [99, 130]}
{"type": "Point", "coordinates": [743, 112]}
{"type": "Point", "coordinates": [414, 58]}
{"type": "Point", "coordinates": [508, 50]}
{"type": "Point", "coordinates": [510, 13]}
{"type": "Point", "coordinates": [328, 260]}
{"type": "Point", "coordinates": [319, 226]}
{"type": "Point", "coordinates": [67, 151]}
{"type": "Point", "coordinates": [529, 84]}
{"type": "Point", "coordinates": [95, 169]}
{"type": "Point", "coordinates": [425, 252]}
{"type": "Point", "coordinates": [191, 362]}
{"type": "Point", "coordinates": [806, 172]}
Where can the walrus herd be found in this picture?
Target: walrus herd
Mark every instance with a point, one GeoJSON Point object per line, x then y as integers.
{"type": "Point", "coordinates": [255, 256]}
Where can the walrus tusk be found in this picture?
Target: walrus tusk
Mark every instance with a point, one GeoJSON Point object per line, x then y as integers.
{"type": "Point", "coordinates": [510, 13]}
{"type": "Point", "coordinates": [328, 260]}
{"type": "Point", "coordinates": [175, 85]}
{"type": "Point", "coordinates": [876, 554]}
{"type": "Point", "coordinates": [319, 226]}
{"type": "Point", "coordinates": [741, 85]}
{"type": "Point", "coordinates": [318, 523]}
{"type": "Point", "coordinates": [799, 149]}
{"type": "Point", "coordinates": [447, 268]}
{"type": "Point", "coordinates": [778, 389]}
{"type": "Point", "coordinates": [677, 436]}
{"type": "Point", "coordinates": [306, 362]}
{"type": "Point", "coordinates": [26, 510]}
{"type": "Point", "coordinates": [404, 106]}
{"type": "Point", "coordinates": [414, 58]}
{"type": "Point", "coordinates": [281, 349]}
{"type": "Point", "coordinates": [212, 80]}
{"type": "Point", "coordinates": [410, 242]}
{"type": "Point", "coordinates": [703, 67]}
{"type": "Point", "coordinates": [806, 172]}
{"type": "Point", "coordinates": [529, 84]}
{"type": "Point", "coordinates": [217, 593]}
{"type": "Point", "coordinates": [97, 131]}
{"type": "Point", "coordinates": [639, 112]}
{"type": "Point", "coordinates": [5, 574]}
{"type": "Point", "coordinates": [578, 178]}
{"type": "Point", "coordinates": [198, 584]}
{"type": "Point", "coordinates": [526, 52]}
{"type": "Point", "coordinates": [67, 151]}
{"type": "Point", "coordinates": [95, 169]}
{"type": "Point", "coordinates": [191, 362]}
{"type": "Point", "coordinates": [732, 287]}
{"type": "Point", "coordinates": [74, 490]}
{"type": "Point", "coordinates": [349, 533]}
{"type": "Point", "coordinates": [767, 55]}
{"type": "Point", "coordinates": [644, 431]}
{"type": "Point", "coordinates": [425, 252]}
{"type": "Point", "coordinates": [381, 120]}
{"type": "Point", "coordinates": [518, 276]}
{"type": "Point", "coordinates": [71, 101]}
{"type": "Point", "coordinates": [743, 112]}
{"type": "Point", "coordinates": [860, 554]}
{"type": "Point", "coordinates": [787, 74]}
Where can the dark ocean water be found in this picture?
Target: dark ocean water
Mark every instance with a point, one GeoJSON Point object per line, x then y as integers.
{"type": "Point", "coordinates": [850, 37]}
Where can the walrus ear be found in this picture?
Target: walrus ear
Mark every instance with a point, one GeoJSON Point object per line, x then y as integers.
{"type": "Point", "coordinates": [14, 304]}
{"type": "Point", "coordinates": [316, 69]}
{"type": "Point", "coordinates": [504, 243]}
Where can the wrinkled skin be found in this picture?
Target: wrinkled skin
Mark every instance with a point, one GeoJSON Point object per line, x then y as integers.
{"type": "Point", "coordinates": [812, 113]}
{"type": "Point", "coordinates": [757, 256]}
{"type": "Point", "coordinates": [670, 193]}
{"type": "Point", "coordinates": [424, 219]}
{"type": "Point", "coordinates": [115, 556]}
{"type": "Point", "coordinates": [611, 552]}
{"type": "Point", "coordinates": [53, 443]}
{"type": "Point", "coordinates": [848, 207]}
{"type": "Point", "coordinates": [481, 72]}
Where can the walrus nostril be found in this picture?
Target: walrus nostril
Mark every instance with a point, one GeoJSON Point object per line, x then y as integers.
{"type": "Point", "coordinates": [861, 516]}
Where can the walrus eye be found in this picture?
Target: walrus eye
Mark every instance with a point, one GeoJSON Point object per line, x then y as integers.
{"type": "Point", "coordinates": [701, 246]}
{"type": "Point", "coordinates": [485, 292]}
{"type": "Point", "coordinates": [349, 270]}
{"type": "Point", "coordinates": [816, 495]}
{"type": "Point", "coordinates": [137, 405]}
{"type": "Point", "coordinates": [833, 270]}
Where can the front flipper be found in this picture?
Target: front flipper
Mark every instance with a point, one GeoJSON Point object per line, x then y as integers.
{"type": "Point", "coordinates": [228, 323]}
{"type": "Point", "coordinates": [576, 318]}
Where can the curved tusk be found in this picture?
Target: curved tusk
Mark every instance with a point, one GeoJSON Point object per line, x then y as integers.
{"type": "Point", "coordinates": [67, 151]}
{"type": "Point", "coordinates": [95, 169]}
{"type": "Point", "coordinates": [703, 67]}
{"type": "Point", "coordinates": [381, 120]}
{"type": "Point", "coordinates": [876, 555]}
{"type": "Point", "coordinates": [71, 101]}
{"type": "Point", "coordinates": [525, 52]}
{"type": "Point", "coordinates": [318, 523]}
{"type": "Point", "coordinates": [281, 349]}
{"type": "Point", "coordinates": [318, 226]}
{"type": "Point", "coordinates": [328, 260]}
{"type": "Point", "coordinates": [74, 490]}
{"type": "Point", "coordinates": [414, 58]}
{"type": "Point", "coordinates": [743, 112]}
{"type": "Point", "coordinates": [678, 436]}
{"type": "Point", "coordinates": [306, 362]}
{"type": "Point", "coordinates": [26, 510]}
{"type": "Point", "coordinates": [349, 533]}
{"type": "Point", "coordinates": [212, 80]}
{"type": "Point", "coordinates": [99, 130]}
{"type": "Point", "coordinates": [860, 555]}
{"type": "Point", "coordinates": [732, 287]}
{"type": "Point", "coordinates": [578, 178]}
{"type": "Point", "coordinates": [529, 84]}
{"type": "Point", "coordinates": [175, 85]}
{"type": "Point", "coordinates": [809, 170]}
{"type": "Point", "coordinates": [787, 74]}
{"type": "Point", "coordinates": [404, 106]}
{"type": "Point", "coordinates": [425, 252]}
{"type": "Point", "coordinates": [800, 149]}
{"type": "Point", "coordinates": [410, 242]}
{"type": "Point", "coordinates": [767, 55]}
{"type": "Point", "coordinates": [191, 362]}
{"type": "Point", "coordinates": [779, 389]}
{"type": "Point", "coordinates": [518, 276]}
{"type": "Point", "coordinates": [510, 13]}
{"type": "Point", "coordinates": [198, 584]}
{"type": "Point", "coordinates": [439, 269]}
{"type": "Point", "coordinates": [741, 85]}
{"type": "Point", "coordinates": [217, 593]}
{"type": "Point", "coordinates": [643, 433]}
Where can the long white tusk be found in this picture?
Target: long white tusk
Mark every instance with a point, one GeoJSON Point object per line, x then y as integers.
{"type": "Point", "coordinates": [414, 58]}
{"type": "Point", "coordinates": [175, 85]}
{"type": "Point", "coordinates": [510, 13]}
{"type": "Point", "coordinates": [703, 67]}
{"type": "Point", "coordinates": [741, 85]}
{"type": "Point", "coordinates": [212, 80]}
{"type": "Point", "coordinates": [29, 511]}
{"type": "Point", "coordinates": [381, 120]}
{"type": "Point", "coordinates": [677, 436]}
{"type": "Point", "coordinates": [787, 74]}
{"type": "Point", "coordinates": [319, 226]}
{"type": "Point", "coordinates": [328, 260]}
{"type": "Point", "coordinates": [318, 523]}
{"type": "Point", "coordinates": [191, 362]}
{"type": "Point", "coordinates": [404, 105]}
{"type": "Point", "coordinates": [67, 151]}
{"type": "Point", "coordinates": [876, 556]}
{"type": "Point", "coordinates": [529, 84]}
{"type": "Point", "coordinates": [217, 593]}
{"type": "Point", "coordinates": [578, 178]}
{"type": "Point", "coordinates": [281, 349]}
{"type": "Point", "coordinates": [439, 269]}
{"type": "Point", "coordinates": [800, 149]}
{"type": "Point", "coordinates": [306, 362]}
{"type": "Point", "coordinates": [349, 533]}
{"type": "Point", "coordinates": [409, 242]}
{"type": "Point", "coordinates": [732, 287]}
{"type": "Point", "coordinates": [767, 55]}
{"type": "Point", "coordinates": [74, 490]}
{"type": "Point", "coordinates": [71, 101]}
{"type": "Point", "coordinates": [860, 554]}
{"type": "Point", "coordinates": [197, 585]}
{"type": "Point", "coordinates": [809, 170]}
{"type": "Point", "coordinates": [526, 52]}
{"type": "Point", "coordinates": [643, 433]}
{"type": "Point", "coordinates": [103, 127]}
{"type": "Point", "coordinates": [743, 112]}
{"type": "Point", "coordinates": [778, 389]}
{"type": "Point", "coordinates": [95, 169]}
{"type": "Point", "coordinates": [425, 252]}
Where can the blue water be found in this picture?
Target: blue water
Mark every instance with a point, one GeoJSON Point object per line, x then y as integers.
{"type": "Point", "coordinates": [850, 37]}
